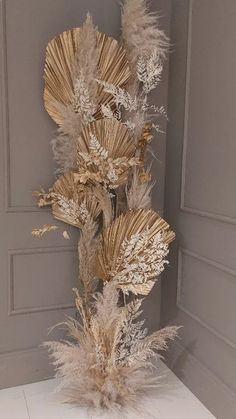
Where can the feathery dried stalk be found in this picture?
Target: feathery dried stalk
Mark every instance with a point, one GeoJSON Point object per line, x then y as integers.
{"type": "Point", "coordinates": [138, 193]}
{"type": "Point", "coordinates": [109, 363]}
{"type": "Point", "coordinates": [140, 31]}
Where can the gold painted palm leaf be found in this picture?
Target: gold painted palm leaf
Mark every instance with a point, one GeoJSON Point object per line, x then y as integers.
{"type": "Point", "coordinates": [112, 135]}
{"type": "Point", "coordinates": [72, 203]}
{"type": "Point", "coordinates": [105, 152]}
{"type": "Point", "coordinates": [113, 68]}
{"type": "Point", "coordinates": [133, 250]}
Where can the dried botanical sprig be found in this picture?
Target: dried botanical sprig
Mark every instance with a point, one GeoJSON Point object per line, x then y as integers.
{"type": "Point", "coordinates": [149, 70]}
{"type": "Point", "coordinates": [133, 250]}
{"type": "Point", "coordinates": [46, 228]}
{"type": "Point", "coordinates": [121, 96]}
{"type": "Point", "coordinates": [82, 103]}
{"type": "Point", "coordinates": [104, 365]}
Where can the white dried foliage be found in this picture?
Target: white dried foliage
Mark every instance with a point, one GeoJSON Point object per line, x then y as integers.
{"type": "Point", "coordinates": [121, 96]}
{"type": "Point", "coordinates": [108, 362]}
{"type": "Point", "coordinates": [149, 70]}
{"type": "Point", "coordinates": [140, 31]}
{"type": "Point", "coordinates": [140, 262]}
{"type": "Point", "coordinates": [75, 214]}
{"type": "Point", "coordinates": [82, 103]}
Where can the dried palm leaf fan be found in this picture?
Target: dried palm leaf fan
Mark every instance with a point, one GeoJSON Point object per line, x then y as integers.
{"type": "Point", "coordinates": [112, 135]}
{"type": "Point", "coordinates": [133, 249]}
{"type": "Point", "coordinates": [113, 68]}
{"type": "Point", "coordinates": [72, 203]}
{"type": "Point", "coordinates": [111, 147]}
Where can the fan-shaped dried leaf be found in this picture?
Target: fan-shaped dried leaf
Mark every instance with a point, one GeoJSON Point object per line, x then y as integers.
{"type": "Point", "coordinates": [73, 203]}
{"type": "Point", "coordinates": [106, 150]}
{"type": "Point", "coordinates": [60, 59]}
{"type": "Point", "coordinates": [132, 250]}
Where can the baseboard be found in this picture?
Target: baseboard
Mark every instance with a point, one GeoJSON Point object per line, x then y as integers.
{"type": "Point", "coordinates": [208, 388]}
{"type": "Point", "coordinates": [23, 367]}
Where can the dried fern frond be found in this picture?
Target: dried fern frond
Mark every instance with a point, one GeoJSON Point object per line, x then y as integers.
{"type": "Point", "coordinates": [133, 250]}
{"type": "Point", "coordinates": [108, 362]}
{"type": "Point", "coordinates": [106, 152]}
{"type": "Point", "coordinates": [62, 59]}
{"type": "Point", "coordinates": [141, 34]}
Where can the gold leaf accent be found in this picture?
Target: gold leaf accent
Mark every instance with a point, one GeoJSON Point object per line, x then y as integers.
{"type": "Point", "coordinates": [113, 67]}
{"type": "Point", "coordinates": [124, 228]}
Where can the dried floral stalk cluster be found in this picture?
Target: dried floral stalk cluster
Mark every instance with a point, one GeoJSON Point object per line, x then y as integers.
{"type": "Point", "coordinates": [97, 90]}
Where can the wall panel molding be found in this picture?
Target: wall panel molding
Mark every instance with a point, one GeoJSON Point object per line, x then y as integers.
{"type": "Point", "coordinates": [12, 311]}
{"type": "Point", "coordinates": [183, 206]}
{"type": "Point", "coordinates": [195, 317]}
{"type": "Point", "coordinates": [198, 377]}
{"type": "Point", "coordinates": [28, 365]}
{"type": "Point", "coordinates": [5, 118]}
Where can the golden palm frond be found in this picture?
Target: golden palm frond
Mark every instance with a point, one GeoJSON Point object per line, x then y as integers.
{"type": "Point", "coordinates": [113, 67]}
{"type": "Point", "coordinates": [71, 202]}
{"type": "Point", "coordinates": [132, 250]}
{"type": "Point", "coordinates": [112, 135]}
{"type": "Point", "coordinates": [105, 152]}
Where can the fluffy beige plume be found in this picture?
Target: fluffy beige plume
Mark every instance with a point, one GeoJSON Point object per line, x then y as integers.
{"type": "Point", "coordinates": [83, 103]}
{"type": "Point", "coordinates": [138, 193]}
{"type": "Point", "coordinates": [103, 364]}
{"type": "Point", "coordinates": [140, 31]}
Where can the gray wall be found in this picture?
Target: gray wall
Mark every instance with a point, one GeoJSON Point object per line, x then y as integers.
{"type": "Point", "coordinates": [36, 276]}
{"type": "Point", "coordinates": [200, 287]}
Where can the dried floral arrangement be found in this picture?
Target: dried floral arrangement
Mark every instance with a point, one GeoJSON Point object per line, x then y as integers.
{"type": "Point", "coordinates": [96, 90]}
